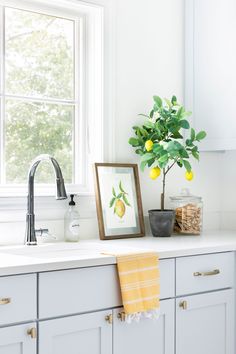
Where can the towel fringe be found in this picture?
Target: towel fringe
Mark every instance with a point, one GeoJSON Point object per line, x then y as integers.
{"type": "Point", "coordinates": [151, 314]}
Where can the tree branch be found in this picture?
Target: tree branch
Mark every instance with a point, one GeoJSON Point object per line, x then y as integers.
{"type": "Point", "coordinates": [168, 169]}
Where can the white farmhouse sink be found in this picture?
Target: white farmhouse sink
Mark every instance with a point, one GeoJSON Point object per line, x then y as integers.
{"type": "Point", "coordinates": [49, 251]}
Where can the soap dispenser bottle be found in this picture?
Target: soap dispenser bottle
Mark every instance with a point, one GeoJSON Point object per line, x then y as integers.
{"type": "Point", "coordinates": [71, 222]}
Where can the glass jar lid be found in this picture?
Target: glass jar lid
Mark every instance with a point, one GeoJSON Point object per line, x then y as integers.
{"type": "Point", "coordinates": [186, 195]}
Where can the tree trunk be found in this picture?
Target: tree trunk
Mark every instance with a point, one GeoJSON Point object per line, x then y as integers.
{"type": "Point", "coordinates": [163, 191]}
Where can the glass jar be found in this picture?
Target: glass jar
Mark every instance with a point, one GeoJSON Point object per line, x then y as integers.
{"type": "Point", "coordinates": [188, 213]}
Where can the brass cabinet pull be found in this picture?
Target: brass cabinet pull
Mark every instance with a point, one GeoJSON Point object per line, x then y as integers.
{"type": "Point", "coordinates": [121, 316]}
{"type": "Point", "coordinates": [205, 274]}
{"type": "Point", "coordinates": [32, 332]}
{"type": "Point", "coordinates": [183, 305]}
{"type": "Point", "coordinates": [5, 300]}
{"type": "Point", "coordinates": [109, 318]}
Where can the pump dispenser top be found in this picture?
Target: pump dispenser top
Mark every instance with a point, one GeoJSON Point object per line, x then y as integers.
{"type": "Point", "coordinates": [71, 222]}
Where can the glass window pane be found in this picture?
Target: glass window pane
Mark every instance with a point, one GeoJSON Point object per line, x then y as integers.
{"type": "Point", "coordinates": [39, 55]}
{"type": "Point", "coordinates": [33, 128]}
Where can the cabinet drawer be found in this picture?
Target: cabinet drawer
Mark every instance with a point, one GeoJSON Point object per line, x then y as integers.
{"type": "Point", "coordinates": [204, 273]}
{"type": "Point", "coordinates": [18, 301]}
{"type": "Point", "coordinates": [88, 289]}
{"type": "Point", "coordinates": [78, 290]}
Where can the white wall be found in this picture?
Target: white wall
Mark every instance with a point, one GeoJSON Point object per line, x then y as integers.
{"type": "Point", "coordinates": [149, 45]}
{"type": "Point", "coordinates": [150, 60]}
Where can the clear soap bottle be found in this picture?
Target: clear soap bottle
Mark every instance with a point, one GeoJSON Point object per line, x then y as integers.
{"type": "Point", "coordinates": [71, 222]}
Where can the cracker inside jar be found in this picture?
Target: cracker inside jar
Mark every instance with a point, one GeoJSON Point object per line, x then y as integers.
{"type": "Point", "coordinates": [188, 219]}
{"type": "Point", "coordinates": [188, 209]}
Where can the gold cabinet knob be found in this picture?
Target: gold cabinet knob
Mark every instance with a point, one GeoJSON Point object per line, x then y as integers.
{"type": "Point", "coordinates": [121, 315]}
{"type": "Point", "coordinates": [183, 305]}
{"type": "Point", "coordinates": [5, 300]}
{"type": "Point", "coordinates": [32, 332]}
{"type": "Point", "coordinates": [109, 318]}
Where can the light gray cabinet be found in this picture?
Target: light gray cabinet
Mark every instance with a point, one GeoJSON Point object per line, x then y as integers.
{"type": "Point", "coordinates": [210, 70]}
{"type": "Point", "coordinates": [85, 334]}
{"type": "Point", "coordinates": [147, 336]}
{"type": "Point", "coordinates": [79, 311]}
{"type": "Point", "coordinates": [17, 340]}
{"type": "Point", "coordinates": [205, 323]}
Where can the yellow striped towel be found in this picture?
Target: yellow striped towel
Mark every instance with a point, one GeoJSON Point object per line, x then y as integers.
{"type": "Point", "coordinates": [140, 284]}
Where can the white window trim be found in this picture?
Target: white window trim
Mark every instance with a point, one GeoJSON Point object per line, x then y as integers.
{"type": "Point", "coordinates": [99, 87]}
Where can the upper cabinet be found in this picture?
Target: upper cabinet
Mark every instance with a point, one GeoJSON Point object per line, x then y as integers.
{"type": "Point", "coordinates": [210, 70]}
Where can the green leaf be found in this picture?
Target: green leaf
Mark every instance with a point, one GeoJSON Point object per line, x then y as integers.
{"type": "Point", "coordinates": [112, 202]}
{"type": "Point", "coordinates": [184, 154]}
{"type": "Point", "coordinates": [201, 135]}
{"type": "Point", "coordinates": [176, 135]}
{"type": "Point", "coordinates": [150, 162]}
{"type": "Point", "coordinates": [187, 165]}
{"type": "Point", "coordinates": [189, 142]}
{"type": "Point", "coordinates": [143, 165]}
{"type": "Point", "coordinates": [119, 196]}
{"type": "Point", "coordinates": [163, 164]}
{"type": "Point", "coordinates": [125, 200]}
{"type": "Point", "coordinates": [180, 164]}
{"type": "Point", "coordinates": [193, 134]}
{"type": "Point", "coordinates": [121, 188]}
{"type": "Point", "coordinates": [163, 158]}
{"type": "Point", "coordinates": [173, 100]}
{"type": "Point", "coordinates": [147, 156]}
{"type": "Point", "coordinates": [186, 114]}
{"type": "Point", "coordinates": [149, 125]}
{"type": "Point", "coordinates": [184, 124]}
{"type": "Point", "coordinates": [114, 192]}
{"type": "Point", "coordinates": [139, 151]}
{"type": "Point", "coordinates": [134, 142]}
{"type": "Point", "coordinates": [143, 115]}
{"type": "Point", "coordinates": [168, 102]}
{"type": "Point", "coordinates": [158, 101]}
{"type": "Point", "coordinates": [151, 113]}
{"type": "Point", "coordinates": [180, 112]}
{"type": "Point", "coordinates": [157, 148]}
{"type": "Point", "coordinates": [195, 154]}
{"type": "Point", "coordinates": [174, 145]}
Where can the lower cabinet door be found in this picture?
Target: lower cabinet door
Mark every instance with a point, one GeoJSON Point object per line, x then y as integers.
{"type": "Point", "coordinates": [205, 323]}
{"type": "Point", "coordinates": [82, 334]}
{"type": "Point", "coordinates": [19, 339]}
{"type": "Point", "coordinates": [146, 336]}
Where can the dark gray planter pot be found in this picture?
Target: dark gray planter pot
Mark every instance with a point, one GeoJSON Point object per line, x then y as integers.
{"type": "Point", "coordinates": [161, 222]}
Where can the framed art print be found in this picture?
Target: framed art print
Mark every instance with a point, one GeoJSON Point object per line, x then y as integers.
{"type": "Point", "coordinates": [118, 201]}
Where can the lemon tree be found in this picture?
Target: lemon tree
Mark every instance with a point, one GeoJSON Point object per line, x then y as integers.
{"type": "Point", "coordinates": [160, 141]}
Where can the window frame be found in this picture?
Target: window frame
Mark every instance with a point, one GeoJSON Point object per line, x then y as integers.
{"type": "Point", "coordinates": [89, 19]}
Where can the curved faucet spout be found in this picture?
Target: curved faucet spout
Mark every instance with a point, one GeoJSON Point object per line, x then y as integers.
{"type": "Point", "coordinates": [60, 188]}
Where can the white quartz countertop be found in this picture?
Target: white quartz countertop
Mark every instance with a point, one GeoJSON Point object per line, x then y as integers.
{"type": "Point", "coordinates": [61, 255]}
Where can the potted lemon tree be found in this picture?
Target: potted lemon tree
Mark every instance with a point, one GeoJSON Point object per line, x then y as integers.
{"type": "Point", "coordinates": [161, 144]}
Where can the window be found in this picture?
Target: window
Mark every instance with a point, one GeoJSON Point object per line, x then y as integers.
{"type": "Point", "coordinates": [48, 80]}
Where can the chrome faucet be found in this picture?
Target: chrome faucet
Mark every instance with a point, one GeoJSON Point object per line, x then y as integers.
{"type": "Point", "coordinates": [30, 237]}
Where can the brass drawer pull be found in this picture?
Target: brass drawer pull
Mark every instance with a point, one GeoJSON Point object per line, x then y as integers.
{"type": "Point", "coordinates": [183, 305]}
{"type": "Point", "coordinates": [121, 316]}
{"type": "Point", "coordinates": [109, 318]}
{"type": "Point", "coordinates": [32, 332]}
{"type": "Point", "coordinates": [205, 274]}
{"type": "Point", "coordinates": [5, 300]}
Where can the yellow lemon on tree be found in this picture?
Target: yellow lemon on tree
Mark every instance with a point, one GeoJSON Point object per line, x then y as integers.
{"type": "Point", "coordinates": [154, 172]}
{"type": "Point", "coordinates": [189, 175]}
{"type": "Point", "coordinates": [148, 145]}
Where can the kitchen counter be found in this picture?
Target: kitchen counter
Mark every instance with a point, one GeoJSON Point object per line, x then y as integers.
{"type": "Point", "coordinates": [47, 257]}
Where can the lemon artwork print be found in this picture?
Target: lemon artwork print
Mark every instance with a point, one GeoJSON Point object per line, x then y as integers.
{"type": "Point", "coordinates": [119, 201]}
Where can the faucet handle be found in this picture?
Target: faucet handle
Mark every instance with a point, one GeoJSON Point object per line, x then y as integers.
{"type": "Point", "coordinates": [41, 232]}
{"type": "Point", "coordinates": [44, 233]}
